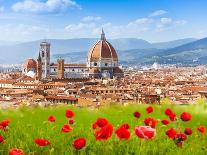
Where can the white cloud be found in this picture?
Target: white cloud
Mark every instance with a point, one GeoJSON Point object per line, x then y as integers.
{"type": "Point", "coordinates": [166, 21]}
{"type": "Point", "coordinates": [49, 6]}
{"type": "Point", "coordinates": [169, 23]}
{"type": "Point", "coordinates": [1, 9]}
{"type": "Point", "coordinates": [157, 13]}
{"type": "Point", "coordinates": [93, 29]}
{"type": "Point", "coordinates": [22, 31]}
{"type": "Point", "coordinates": [144, 21]}
{"type": "Point", "coordinates": [90, 19]}
{"type": "Point", "coordinates": [180, 22]}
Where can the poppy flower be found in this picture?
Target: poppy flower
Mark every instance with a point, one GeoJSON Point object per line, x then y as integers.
{"type": "Point", "coordinates": [42, 142]}
{"type": "Point", "coordinates": [1, 139]}
{"type": "Point", "coordinates": [66, 128]}
{"type": "Point", "coordinates": [101, 122]}
{"type": "Point", "coordinates": [202, 129]}
{"type": "Point", "coordinates": [180, 137]}
{"type": "Point", "coordinates": [16, 151]}
{"type": "Point", "coordinates": [188, 131]}
{"type": "Point", "coordinates": [71, 121]}
{"type": "Point", "coordinates": [172, 117]}
{"type": "Point", "coordinates": [69, 113]}
{"type": "Point", "coordinates": [51, 118]}
{"type": "Point", "coordinates": [125, 126]}
{"type": "Point", "coordinates": [94, 125]}
{"type": "Point", "coordinates": [79, 143]}
{"type": "Point", "coordinates": [122, 132]}
{"type": "Point", "coordinates": [165, 122]}
{"type": "Point", "coordinates": [149, 109]}
{"type": "Point", "coordinates": [4, 124]}
{"type": "Point", "coordinates": [104, 133]}
{"type": "Point", "coordinates": [168, 112]}
{"type": "Point", "coordinates": [137, 114]}
{"type": "Point", "coordinates": [150, 122]}
{"type": "Point", "coordinates": [145, 132]}
{"type": "Point", "coordinates": [171, 133]}
{"type": "Point", "coordinates": [186, 116]}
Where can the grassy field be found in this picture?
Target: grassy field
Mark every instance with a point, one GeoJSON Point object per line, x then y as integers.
{"type": "Point", "coordinates": [28, 124]}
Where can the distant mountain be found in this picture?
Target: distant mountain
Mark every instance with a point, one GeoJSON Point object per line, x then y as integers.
{"type": "Point", "coordinates": [130, 50]}
{"type": "Point", "coordinates": [5, 43]}
{"type": "Point", "coordinates": [173, 44]}
{"type": "Point", "coordinates": [191, 53]}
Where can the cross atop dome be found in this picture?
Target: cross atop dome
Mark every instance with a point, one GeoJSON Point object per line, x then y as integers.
{"type": "Point", "coordinates": [103, 35]}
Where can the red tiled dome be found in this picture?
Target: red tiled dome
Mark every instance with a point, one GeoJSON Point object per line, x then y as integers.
{"type": "Point", "coordinates": [30, 64]}
{"type": "Point", "coordinates": [102, 49]}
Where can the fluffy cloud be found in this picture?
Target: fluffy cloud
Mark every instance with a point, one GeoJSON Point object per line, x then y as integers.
{"type": "Point", "coordinates": [22, 32]}
{"type": "Point", "coordinates": [132, 28]}
{"type": "Point", "coordinates": [169, 23]}
{"type": "Point", "coordinates": [166, 21]}
{"type": "Point", "coordinates": [49, 6]}
{"type": "Point", "coordinates": [157, 13]}
{"type": "Point", "coordinates": [90, 19]}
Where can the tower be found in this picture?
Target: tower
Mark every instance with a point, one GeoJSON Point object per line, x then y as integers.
{"type": "Point", "coordinates": [39, 68]}
{"type": "Point", "coordinates": [60, 68]}
{"type": "Point", "coordinates": [45, 58]}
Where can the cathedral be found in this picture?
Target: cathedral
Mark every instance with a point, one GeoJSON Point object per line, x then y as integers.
{"type": "Point", "coordinates": [102, 63]}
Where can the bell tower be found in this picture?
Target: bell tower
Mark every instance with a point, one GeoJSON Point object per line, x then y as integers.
{"type": "Point", "coordinates": [45, 58]}
{"type": "Point", "coordinates": [39, 68]}
{"type": "Point", "coordinates": [60, 68]}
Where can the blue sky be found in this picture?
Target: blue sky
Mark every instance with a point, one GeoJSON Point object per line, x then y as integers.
{"type": "Point", "coordinates": [152, 20]}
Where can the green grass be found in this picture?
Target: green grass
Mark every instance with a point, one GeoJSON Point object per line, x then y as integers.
{"type": "Point", "coordinates": [28, 124]}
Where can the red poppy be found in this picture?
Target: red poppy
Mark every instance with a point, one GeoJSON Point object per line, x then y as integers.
{"type": "Point", "coordinates": [66, 128]}
{"type": "Point", "coordinates": [172, 117]}
{"type": "Point", "coordinates": [42, 142]}
{"type": "Point", "coordinates": [165, 122]}
{"type": "Point", "coordinates": [71, 121]}
{"type": "Point", "coordinates": [69, 113]}
{"type": "Point", "coordinates": [150, 122]}
{"type": "Point", "coordinates": [4, 124]}
{"type": "Point", "coordinates": [101, 122]}
{"type": "Point", "coordinates": [94, 125]}
{"type": "Point", "coordinates": [15, 151]}
{"type": "Point", "coordinates": [171, 133]}
{"type": "Point", "coordinates": [104, 133]}
{"type": "Point", "coordinates": [149, 109]}
{"type": "Point", "coordinates": [188, 131]}
{"type": "Point", "coordinates": [125, 126]}
{"type": "Point", "coordinates": [145, 132]}
{"type": "Point", "coordinates": [137, 114]}
{"type": "Point", "coordinates": [51, 118]}
{"type": "Point", "coordinates": [180, 137]}
{"type": "Point", "coordinates": [186, 116]}
{"type": "Point", "coordinates": [168, 112]}
{"type": "Point", "coordinates": [79, 143]}
{"type": "Point", "coordinates": [202, 129]}
{"type": "Point", "coordinates": [1, 139]}
{"type": "Point", "coordinates": [122, 132]}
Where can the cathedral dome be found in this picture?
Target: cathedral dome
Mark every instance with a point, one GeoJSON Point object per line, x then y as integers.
{"type": "Point", "coordinates": [30, 64]}
{"type": "Point", "coordinates": [102, 49]}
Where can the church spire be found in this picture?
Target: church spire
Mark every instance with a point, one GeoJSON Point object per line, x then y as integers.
{"type": "Point", "coordinates": [103, 35]}
{"type": "Point", "coordinates": [39, 57]}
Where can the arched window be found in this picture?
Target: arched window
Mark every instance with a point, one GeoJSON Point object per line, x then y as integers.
{"type": "Point", "coordinates": [106, 64]}
{"type": "Point", "coordinates": [95, 64]}
{"type": "Point", "coordinates": [43, 54]}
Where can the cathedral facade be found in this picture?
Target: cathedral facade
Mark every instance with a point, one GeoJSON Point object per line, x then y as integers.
{"type": "Point", "coordinates": [102, 62]}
